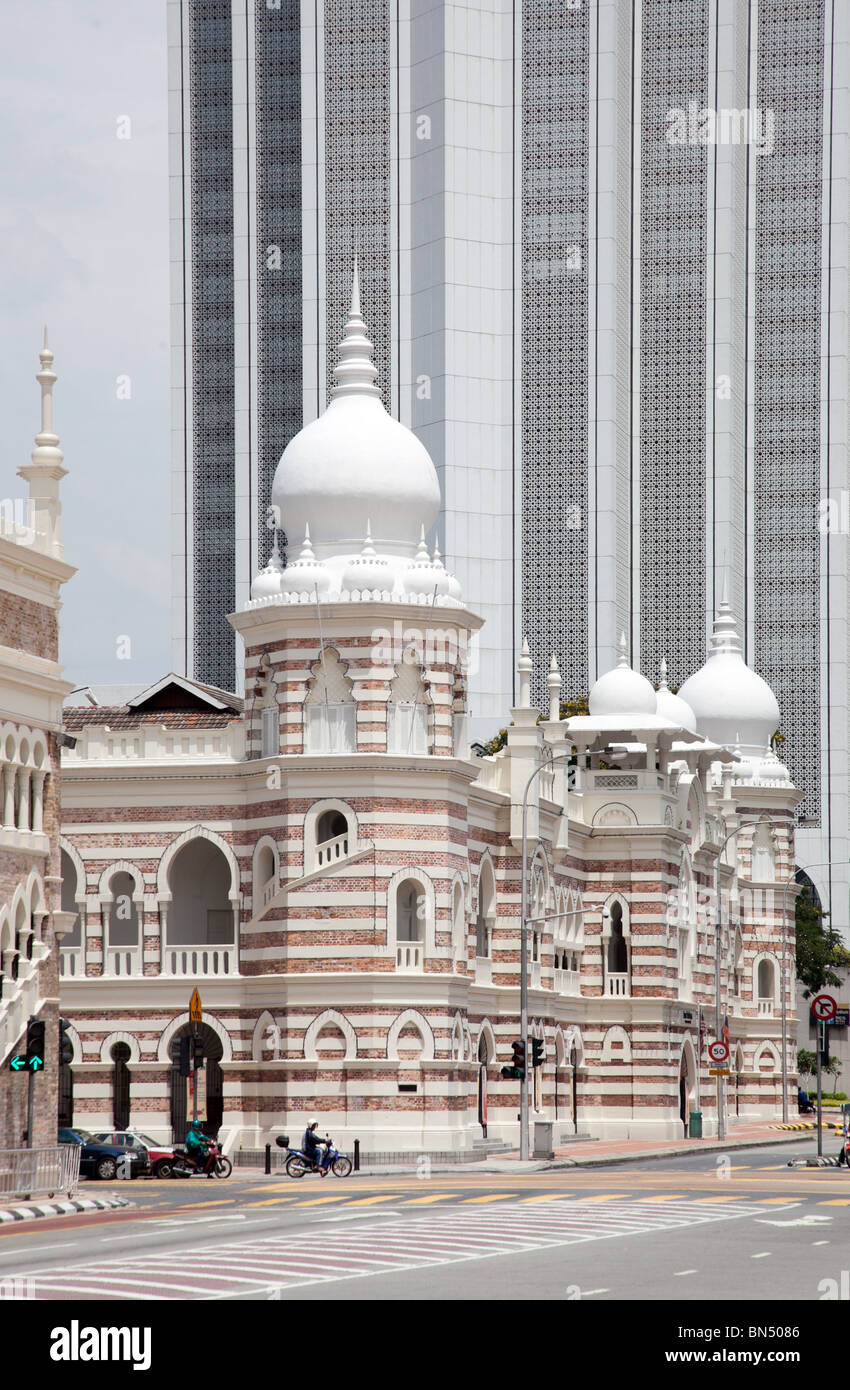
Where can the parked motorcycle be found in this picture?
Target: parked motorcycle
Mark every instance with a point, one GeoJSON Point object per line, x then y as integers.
{"type": "Point", "coordinates": [298, 1164]}
{"type": "Point", "coordinates": [185, 1166]}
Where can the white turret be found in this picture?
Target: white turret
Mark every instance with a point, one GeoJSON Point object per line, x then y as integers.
{"type": "Point", "coordinates": [46, 471]}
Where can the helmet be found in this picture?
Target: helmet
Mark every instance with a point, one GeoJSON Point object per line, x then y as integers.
{"type": "Point", "coordinates": [313, 1125]}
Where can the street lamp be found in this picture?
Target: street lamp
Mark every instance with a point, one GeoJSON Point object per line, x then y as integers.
{"type": "Point", "coordinates": [523, 950]}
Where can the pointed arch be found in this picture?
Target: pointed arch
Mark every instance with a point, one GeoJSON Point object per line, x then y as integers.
{"type": "Point", "coordinates": [770, 1050]}
{"type": "Point", "coordinates": [264, 1022]}
{"type": "Point", "coordinates": [418, 1021]}
{"type": "Point", "coordinates": [322, 1020]}
{"type": "Point", "coordinates": [457, 1042]}
{"type": "Point", "coordinates": [163, 1053]}
{"type": "Point", "coordinates": [487, 1038]}
{"type": "Point", "coordinates": [79, 868]}
{"type": "Point", "coordinates": [197, 832]}
{"type": "Point", "coordinates": [616, 1038]}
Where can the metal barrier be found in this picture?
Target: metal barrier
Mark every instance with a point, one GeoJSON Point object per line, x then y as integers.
{"type": "Point", "coordinates": [39, 1172]}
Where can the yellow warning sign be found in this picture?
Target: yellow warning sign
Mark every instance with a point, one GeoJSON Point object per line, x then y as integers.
{"type": "Point", "coordinates": [196, 1013]}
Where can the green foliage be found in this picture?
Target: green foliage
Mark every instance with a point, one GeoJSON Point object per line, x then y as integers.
{"type": "Point", "coordinates": [568, 709]}
{"type": "Point", "coordinates": [819, 947]}
{"type": "Point", "coordinates": [833, 1068]}
{"type": "Point", "coordinates": [807, 1062]}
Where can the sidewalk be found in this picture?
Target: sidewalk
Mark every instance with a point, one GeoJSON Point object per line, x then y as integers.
{"type": "Point", "coordinates": [28, 1211]}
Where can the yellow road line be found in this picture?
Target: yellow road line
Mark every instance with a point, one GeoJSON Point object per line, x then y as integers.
{"type": "Point", "coordinates": [723, 1199]}
{"type": "Point", "coordinates": [547, 1197]}
{"type": "Point", "coordinates": [492, 1197]}
{"type": "Point", "coordinates": [774, 1201]}
{"type": "Point", "coordinates": [370, 1201]}
{"type": "Point", "coordinates": [667, 1197]}
{"type": "Point", "coordinates": [272, 1186]}
{"type": "Point", "coordinates": [320, 1201]}
{"type": "Point", "coordinates": [269, 1202]}
{"type": "Point", "coordinates": [192, 1206]}
{"type": "Point", "coordinates": [609, 1197]}
{"type": "Point", "coordinates": [420, 1201]}
{"type": "Point", "coordinates": [836, 1202]}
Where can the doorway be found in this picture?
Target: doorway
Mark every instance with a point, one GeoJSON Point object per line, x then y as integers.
{"type": "Point", "coordinates": [210, 1096]}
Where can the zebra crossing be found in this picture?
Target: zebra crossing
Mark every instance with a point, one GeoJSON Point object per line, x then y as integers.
{"type": "Point", "coordinates": [272, 1266]}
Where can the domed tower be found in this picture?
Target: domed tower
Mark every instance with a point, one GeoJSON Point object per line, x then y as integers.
{"type": "Point", "coordinates": [356, 659]}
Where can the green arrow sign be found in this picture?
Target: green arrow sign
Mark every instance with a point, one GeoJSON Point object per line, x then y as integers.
{"type": "Point", "coordinates": [20, 1062]}
{"type": "Point", "coordinates": [17, 1063]}
{"type": "Point", "coordinates": [35, 1063]}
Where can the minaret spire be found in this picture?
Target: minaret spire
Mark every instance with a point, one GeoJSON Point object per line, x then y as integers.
{"type": "Point", "coordinates": [45, 471]}
{"type": "Point", "coordinates": [355, 373]}
{"type": "Point", "coordinates": [46, 378]}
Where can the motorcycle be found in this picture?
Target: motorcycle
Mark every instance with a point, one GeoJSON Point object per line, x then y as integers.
{"type": "Point", "coordinates": [185, 1166]}
{"type": "Point", "coordinates": [298, 1164]}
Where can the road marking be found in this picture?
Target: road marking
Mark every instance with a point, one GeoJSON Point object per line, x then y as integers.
{"type": "Point", "coordinates": [549, 1197]}
{"type": "Point", "coordinates": [722, 1199]}
{"type": "Point", "coordinates": [668, 1197]}
{"type": "Point", "coordinates": [777, 1201]}
{"type": "Point", "coordinates": [609, 1197]}
{"type": "Point", "coordinates": [492, 1197]}
{"type": "Point", "coordinates": [763, 1255]}
{"type": "Point", "coordinates": [440, 1197]}
{"type": "Point", "coordinates": [820, 1242]}
{"type": "Point", "coordinates": [270, 1202]}
{"type": "Point", "coordinates": [370, 1201]}
{"type": "Point", "coordinates": [588, 1293]}
{"type": "Point", "coordinates": [320, 1201]}
{"type": "Point", "coordinates": [680, 1273]}
{"type": "Point", "coordinates": [836, 1202]}
{"type": "Point", "coordinates": [37, 1249]}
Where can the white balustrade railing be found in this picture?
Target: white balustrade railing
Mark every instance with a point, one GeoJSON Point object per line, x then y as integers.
{"type": "Point", "coordinates": [409, 955]}
{"type": "Point", "coordinates": [331, 850]}
{"type": "Point", "coordinates": [153, 742]}
{"type": "Point", "coordinates": [122, 961]}
{"type": "Point", "coordinates": [200, 960]}
{"type": "Point", "coordinates": [766, 1007]}
{"type": "Point", "coordinates": [617, 985]}
{"type": "Point", "coordinates": [71, 963]}
{"type": "Point", "coordinates": [268, 891]}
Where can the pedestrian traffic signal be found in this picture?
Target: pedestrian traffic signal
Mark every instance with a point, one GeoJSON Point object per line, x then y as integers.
{"type": "Point", "coordinates": [537, 1052]}
{"type": "Point", "coordinates": [35, 1044]}
{"type": "Point", "coordinates": [66, 1047]}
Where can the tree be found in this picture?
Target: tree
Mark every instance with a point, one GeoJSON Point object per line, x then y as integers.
{"type": "Point", "coordinates": [807, 1062]}
{"type": "Point", "coordinates": [833, 1069]}
{"type": "Point", "coordinates": [568, 709]}
{"type": "Point", "coordinates": [819, 947]}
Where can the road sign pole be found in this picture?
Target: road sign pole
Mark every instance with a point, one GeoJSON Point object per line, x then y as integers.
{"type": "Point", "coordinates": [821, 1031]}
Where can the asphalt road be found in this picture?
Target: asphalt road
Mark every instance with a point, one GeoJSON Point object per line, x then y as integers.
{"type": "Point", "coordinates": [702, 1227]}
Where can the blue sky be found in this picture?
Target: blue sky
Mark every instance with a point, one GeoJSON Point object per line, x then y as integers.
{"type": "Point", "coordinates": [84, 240]}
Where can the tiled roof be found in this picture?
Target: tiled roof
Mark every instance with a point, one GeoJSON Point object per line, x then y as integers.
{"type": "Point", "coordinates": [120, 718]}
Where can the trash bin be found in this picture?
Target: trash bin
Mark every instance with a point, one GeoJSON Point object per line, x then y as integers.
{"type": "Point", "coordinates": [695, 1124]}
{"type": "Point", "coordinates": [543, 1139]}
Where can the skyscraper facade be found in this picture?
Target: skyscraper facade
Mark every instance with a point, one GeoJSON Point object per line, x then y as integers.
{"type": "Point", "coordinates": [603, 250]}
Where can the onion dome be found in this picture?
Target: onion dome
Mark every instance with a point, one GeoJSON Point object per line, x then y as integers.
{"type": "Point", "coordinates": [355, 462]}
{"type": "Point", "coordinates": [306, 575]}
{"type": "Point", "coordinates": [267, 583]}
{"type": "Point", "coordinates": [367, 572]}
{"type": "Point", "coordinates": [622, 691]}
{"type": "Point", "coordinates": [731, 703]}
{"type": "Point", "coordinates": [672, 707]}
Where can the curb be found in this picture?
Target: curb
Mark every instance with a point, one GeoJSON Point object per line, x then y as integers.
{"type": "Point", "coordinates": [63, 1208]}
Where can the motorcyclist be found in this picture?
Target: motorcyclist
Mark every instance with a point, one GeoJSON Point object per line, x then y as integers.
{"type": "Point", "coordinates": [312, 1147]}
{"type": "Point", "coordinates": [198, 1146]}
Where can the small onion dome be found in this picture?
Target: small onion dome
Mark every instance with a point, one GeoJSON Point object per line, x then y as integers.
{"type": "Point", "coordinates": [731, 703]}
{"type": "Point", "coordinates": [306, 574]}
{"type": "Point", "coordinates": [440, 573]}
{"type": "Point", "coordinates": [672, 707]}
{"type": "Point", "coordinates": [622, 691]}
{"type": "Point", "coordinates": [267, 583]}
{"type": "Point", "coordinates": [367, 572]}
{"type": "Point", "coordinates": [421, 577]}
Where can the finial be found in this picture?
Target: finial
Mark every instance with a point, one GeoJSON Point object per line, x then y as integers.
{"type": "Point", "coordinates": [275, 561]}
{"type": "Point", "coordinates": [553, 680]}
{"type": "Point", "coordinates": [46, 379]}
{"type": "Point", "coordinates": [368, 552]}
{"type": "Point", "coordinates": [306, 556]}
{"type": "Point", "coordinates": [624, 650]}
{"type": "Point", "coordinates": [437, 558]}
{"type": "Point", "coordinates": [663, 682]}
{"type": "Point", "coordinates": [524, 667]}
{"type": "Point", "coordinates": [355, 373]}
{"type": "Point", "coordinates": [422, 556]}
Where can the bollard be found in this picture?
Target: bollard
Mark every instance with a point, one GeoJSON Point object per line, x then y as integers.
{"type": "Point", "coordinates": [357, 1155]}
{"type": "Point", "coordinates": [268, 1158]}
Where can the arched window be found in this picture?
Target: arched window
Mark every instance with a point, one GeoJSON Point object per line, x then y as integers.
{"type": "Point", "coordinates": [616, 952]}
{"type": "Point", "coordinates": [331, 837]}
{"type": "Point", "coordinates": [407, 711]}
{"type": "Point", "coordinates": [70, 951]}
{"type": "Point", "coordinates": [265, 876]}
{"type": "Point", "coordinates": [329, 708]}
{"type": "Point", "coordinates": [269, 710]}
{"type": "Point", "coordinates": [485, 920]}
{"type": "Point", "coordinates": [410, 906]}
{"type": "Point", "coordinates": [120, 1085]}
{"type": "Point", "coordinates": [458, 922]}
{"type": "Point", "coordinates": [200, 915]}
{"type": "Point", "coordinates": [738, 965]}
{"type": "Point", "coordinates": [122, 927]}
{"type": "Point", "coordinates": [765, 980]}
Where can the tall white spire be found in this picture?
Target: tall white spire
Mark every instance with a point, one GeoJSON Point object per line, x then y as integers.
{"type": "Point", "coordinates": [45, 471]}
{"type": "Point", "coordinates": [48, 451]}
{"type": "Point", "coordinates": [355, 373]}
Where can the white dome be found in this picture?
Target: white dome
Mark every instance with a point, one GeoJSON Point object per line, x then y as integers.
{"type": "Point", "coordinates": [267, 583]}
{"type": "Point", "coordinates": [672, 707]}
{"type": "Point", "coordinates": [368, 572]}
{"type": "Point", "coordinates": [622, 691]}
{"type": "Point", "coordinates": [733, 706]}
{"type": "Point", "coordinates": [306, 575]}
{"type": "Point", "coordinates": [355, 464]}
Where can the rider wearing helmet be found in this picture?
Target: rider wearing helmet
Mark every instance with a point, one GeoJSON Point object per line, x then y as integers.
{"type": "Point", "coordinates": [312, 1147]}
{"type": "Point", "coordinates": [198, 1145]}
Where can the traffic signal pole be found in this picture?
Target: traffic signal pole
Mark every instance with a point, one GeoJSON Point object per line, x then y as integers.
{"type": "Point", "coordinates": [30, 1101]}
{"type": "Point", "coordinates": [523, 984]}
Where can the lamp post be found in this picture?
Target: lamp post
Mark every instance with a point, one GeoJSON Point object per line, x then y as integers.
{"type": "Point", "coordinates": [523, 951]}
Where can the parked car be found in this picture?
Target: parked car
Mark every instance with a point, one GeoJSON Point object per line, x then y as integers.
{"type": "Point", "coordinates": [99, 1160]}
{"type": "Point", "coordinates": [158, 1159]}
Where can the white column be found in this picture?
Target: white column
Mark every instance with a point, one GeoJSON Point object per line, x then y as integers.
{"type": "Point", "coordinates": [38, 802]}
{"type": "Point", "coordinates": [23, 799]}
{"type": "Point", "coordinates": [9, 796]}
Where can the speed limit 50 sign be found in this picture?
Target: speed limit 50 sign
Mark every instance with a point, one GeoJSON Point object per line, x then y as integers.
{"type": "Point", "coordinates": [718, 1051]}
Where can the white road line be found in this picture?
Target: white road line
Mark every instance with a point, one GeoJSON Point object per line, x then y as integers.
{"type": "Point", "coordinates": [588, 1293]}
{"type": "Point", "coordinates": [764, 1255]}
{"type": "Point", "coordinates": [680, 1273]}
{"type": "Point", "coordinates": [37, 1249]}
{"type": "Point", "coordinates": [820, 1242]}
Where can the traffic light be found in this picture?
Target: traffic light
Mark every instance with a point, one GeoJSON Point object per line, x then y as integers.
{"type": "Point", "coordinates": [537, 1052]}
{"type": "Point", "coordinates": [198, 1053]}
{"type": "Point", "coordinates": [185, 1060]}
{"type": "Point", "coordinates": [66, 1047]}
{"type": "Point", "coordinates": [35, 1043]}
{"type": "Point", "coordinates": [516, 1071]}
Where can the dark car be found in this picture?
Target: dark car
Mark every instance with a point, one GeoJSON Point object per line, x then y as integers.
{"type": "Point", "coordinates": [100, 1160]}
{"type": "Point", "coordinates": [156, 1158]}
